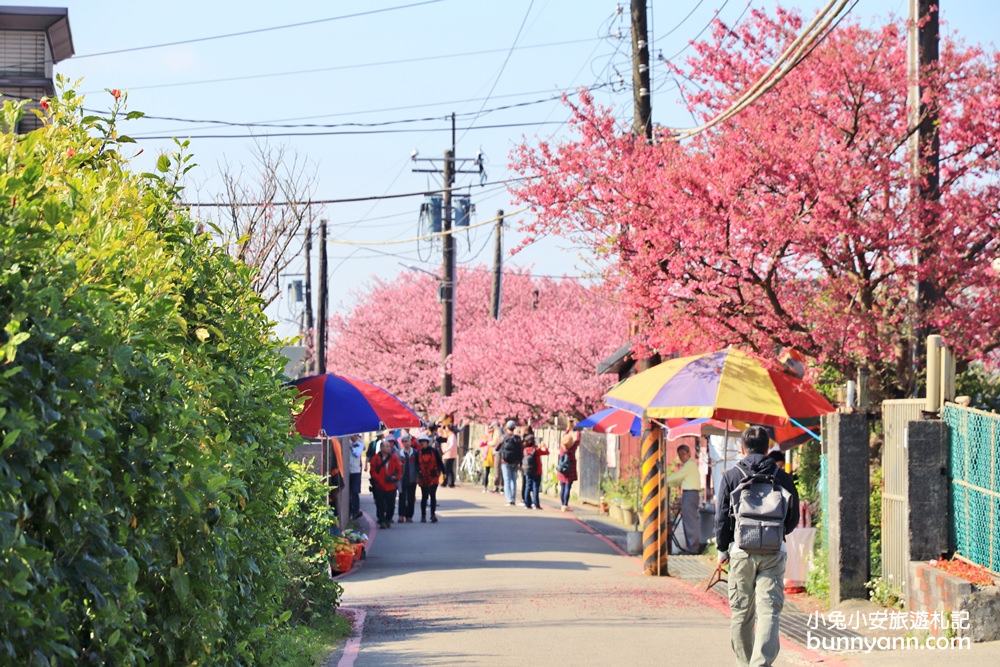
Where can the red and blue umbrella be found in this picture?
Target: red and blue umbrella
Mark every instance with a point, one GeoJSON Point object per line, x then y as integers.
{"type": "Point", "coordinates": [341, 405]}
{"type": "Point", "coordinates": [612, 420]}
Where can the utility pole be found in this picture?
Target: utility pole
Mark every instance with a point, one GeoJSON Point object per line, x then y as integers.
{"type": "Point", "coordinates": [309, 299]}
{"type": "Point", "coordinates": [447, 271]}
{"type": "Point", "coordinates": [323, 292]}
{"type": "Point", "coordinates": [497, 267]}
{"type": "Point", "coordinates": [447, 285]}
{"type": "Point", "coordinates": [925, 148]}
{"type": "Point", "coordinates": [642, 124]}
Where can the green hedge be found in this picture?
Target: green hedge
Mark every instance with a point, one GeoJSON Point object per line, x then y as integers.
{"type": "Point", "coordinates": [143, 424]}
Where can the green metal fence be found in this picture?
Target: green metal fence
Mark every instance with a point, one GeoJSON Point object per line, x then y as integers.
{"type": "Point", "coordinates": [975, 478]}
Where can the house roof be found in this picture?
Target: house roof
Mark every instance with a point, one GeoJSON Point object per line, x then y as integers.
{"type": "Point", "coordinates": [53, 20]}
{"type": "Point", "coordinates": [619, 361]}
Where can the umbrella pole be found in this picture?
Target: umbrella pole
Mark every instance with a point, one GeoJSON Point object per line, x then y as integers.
{"type": "Point", "coordinates": [323, 469]}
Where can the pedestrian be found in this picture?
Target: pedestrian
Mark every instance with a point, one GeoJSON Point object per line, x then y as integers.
{"type": "Point", "coordinates": [510, 460]}
{"type": "Point", "coordinates": [488, 454]}
{"type": "Point", "coordinates": [566, 465]}
{"type": "Point", "coordinates": [449, 454]}
{"type": "Point", "coordinates": [357, 450]}
{"type": "Point", "coordinates": [373, 448]}
{"type": "Point", "coordinates": [385, 472]}
{"type": "Point", "coordinates": [429, 467]}
{"type": "Point", "coordinates": [527, 439]}
{"type": "Point", "coordinates": [756, 563]}
{"type": "Point", "coordinates": [498, 435]}
{"type": "Point", "coordinates": [531, 466]}
{"type": "Point", "coordinates": [688, 479]}
{"type": "Point", "coordinates": [408, 478]}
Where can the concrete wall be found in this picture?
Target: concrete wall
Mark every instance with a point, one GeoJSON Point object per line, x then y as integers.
{"type": "Point", "coordinates": [928, 488]}
{"type": "Point", "coordinates": [846, 447]}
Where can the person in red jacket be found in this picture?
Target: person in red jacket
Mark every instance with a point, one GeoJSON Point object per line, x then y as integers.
{"type": "Point", "coordinates": [385, 473]}
{"type": "Point", "coordinates": [531, 465]}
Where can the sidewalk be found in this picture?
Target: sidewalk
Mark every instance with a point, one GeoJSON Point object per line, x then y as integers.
{"type": "Point", "coordinates": [811, 624]}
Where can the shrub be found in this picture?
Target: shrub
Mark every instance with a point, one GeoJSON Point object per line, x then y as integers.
{"type": "Point", "coordinates": [310, 591]}
{"type": "Point", "coordinates": [143, 424]}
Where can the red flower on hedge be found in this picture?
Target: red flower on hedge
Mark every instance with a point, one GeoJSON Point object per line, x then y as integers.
{"type": "Point", "coordinates": [115, 93]}
{"type": "Point", "coordinates": [70, 153]}
{"type": "Point", "coordinates": [44, 103]}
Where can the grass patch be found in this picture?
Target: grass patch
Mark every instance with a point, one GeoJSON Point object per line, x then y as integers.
{"type": "Point", "coordinates": [310, 645]}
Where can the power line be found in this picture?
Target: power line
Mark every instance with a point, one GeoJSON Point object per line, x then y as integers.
{"type": "Point", "coordinates": [341, 132]}
{"type": "Point", "coordinates": [815, 32]}
{"type": "Point", "coordinates": [682, 22]}
{"type": "Point", "coordinates": [335, 68]}
{"type": "Point", "coordinates": [503, 67]}
{"type": "Point", "coordinates": [399, 121]}
{"type": "Point", "coordinates": [344, 200]}
{"type": "Point", "coordinates": [253, 32]}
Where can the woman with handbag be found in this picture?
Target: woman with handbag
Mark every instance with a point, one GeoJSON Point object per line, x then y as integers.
{"type": "Point", "coordinates": [566, 464]}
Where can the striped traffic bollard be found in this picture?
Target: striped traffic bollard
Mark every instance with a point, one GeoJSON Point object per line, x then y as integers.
{"type": "Point", "coordinates": [654, 529]}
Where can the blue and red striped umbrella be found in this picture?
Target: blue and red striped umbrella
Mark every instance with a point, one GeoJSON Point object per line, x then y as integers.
{"type": "Point", "coordinates": [612, 420]}
{"type": "Point", "coordinates": [341, 405]}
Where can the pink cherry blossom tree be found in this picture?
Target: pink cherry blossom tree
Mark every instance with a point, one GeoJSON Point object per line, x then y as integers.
{"type": "Point", "coordinates": [793, 224]}
{"type": "Point", "coordinates": [537, 361]}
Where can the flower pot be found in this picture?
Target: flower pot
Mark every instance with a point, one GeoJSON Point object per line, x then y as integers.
{"type": "Point", "coordinates": [344, 561]}
{"type": "Point", "coordinates": [628, 516]}
{"type": "Point", "coordinates": [615, 512]}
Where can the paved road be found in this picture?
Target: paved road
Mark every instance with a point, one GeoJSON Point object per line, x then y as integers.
{"type": "Point", "coordinates": [496, 585]}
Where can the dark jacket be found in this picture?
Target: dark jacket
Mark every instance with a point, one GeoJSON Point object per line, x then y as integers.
{"type": "Point", "coordinates": [515, 453]}
{"type": "Point", "coordinates": [725, 524]}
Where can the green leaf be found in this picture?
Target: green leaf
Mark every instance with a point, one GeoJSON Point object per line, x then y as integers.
{"type": "Point", "coordinates": [181, 584]}
{"type": "Point", "coordinates": [163, 163]}
{"type": "Point", "coordinates": [285, 615]}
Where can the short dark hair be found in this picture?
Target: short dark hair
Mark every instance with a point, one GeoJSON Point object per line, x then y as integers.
{"type": "Point", "coordinates": [755, 439]}
{"type": "Point", "coordinates": [683, 448]}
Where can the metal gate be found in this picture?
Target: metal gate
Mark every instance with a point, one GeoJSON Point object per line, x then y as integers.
{"type": "Point", "coordinates": [591, 466]}
{"type": "Point", "coordinates": [896, 416]}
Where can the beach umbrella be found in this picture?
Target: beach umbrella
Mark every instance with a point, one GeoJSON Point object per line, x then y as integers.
{"type": "Point", "coordinates": [727, 384]}
{"type": "Point", "coordinates": [614, 421]}
{"type": "Point", "coordinates": [341, 405]}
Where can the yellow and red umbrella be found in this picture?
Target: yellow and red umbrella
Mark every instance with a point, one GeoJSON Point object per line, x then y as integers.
{"type": "Point", "coordinates": [726, 384]}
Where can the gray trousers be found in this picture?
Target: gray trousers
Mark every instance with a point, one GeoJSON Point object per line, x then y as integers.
{"type": "Point", "coordinates": [690, 501]}
{"type": "Point", "coordinates": [756, 597]}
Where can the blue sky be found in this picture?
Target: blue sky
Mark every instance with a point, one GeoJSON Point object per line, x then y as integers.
{"type": "Point", "coordinates": [396, 61]}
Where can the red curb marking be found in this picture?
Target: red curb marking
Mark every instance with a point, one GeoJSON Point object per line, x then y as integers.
{"type": "Point", "coordinates": [353, 645]}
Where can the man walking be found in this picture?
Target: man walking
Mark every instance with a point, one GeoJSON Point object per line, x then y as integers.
{"type": "Point", "coordinates": [385, 473]}
{"type": "Point", "coordinates": [429, 467]}
{"type": "Point", "coordinates": [510, 457]}
{"type": "Point", "coordinates": [757, 507]}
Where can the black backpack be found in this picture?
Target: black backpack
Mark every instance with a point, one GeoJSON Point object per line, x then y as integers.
{"type": "Point", "coordinates": [759, 505]}
{"type": "Point", "coordinates": [528, 462]}
{"type": "Point", "coordinates": [510, 449]}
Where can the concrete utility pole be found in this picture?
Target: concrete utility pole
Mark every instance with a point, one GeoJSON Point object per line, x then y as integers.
{"type": "Point", "coordinates": [447, 286]}
{"type": "Point", "coordinates": [497, 267]}
{"type": "Point", "coordinates": [925, 148]}
{"type": "Point", "coordinates": [642, 124]}
{"type": "Point", "coordinates": [311, 369]}
{"type": "Point", "coordinates": [447, 272]}
{"type": "Point", "coordinates": [323, 292]}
